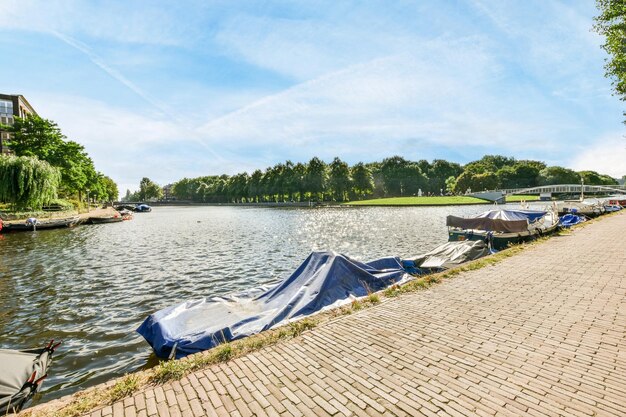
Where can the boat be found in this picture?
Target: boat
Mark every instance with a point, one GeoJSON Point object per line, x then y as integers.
{"type": "Point", "coordinates": [617, 200]}
{"type": "Point", "coordinates": [449, 255]}
{"type": "Point", "coordinates": [143, 208]}
{"type": "Point", "coordinates": [589, 208]}
{"type": "Point", "coordinates": [100, 220]}
{"type": "Point", "coordinates": [570, 219]}
{"type": "Point", "coordinates": [21, 374]}
{"type": "Point", "coordinates": [126, 214]}
{"type": "Point", "coordinates": [609, 208]}
{"type": "Point", "coordinates": [501, 228]}
{"type": "Point", "coordinates": [33, 224]}
{"type": "Point", "coordinates": [324, 280]}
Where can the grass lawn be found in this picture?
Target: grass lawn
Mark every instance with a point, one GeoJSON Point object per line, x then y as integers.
{"type": "Point", "coordinates": [515, 198]}
{"type": "Point", "coordinates": [419, 201]}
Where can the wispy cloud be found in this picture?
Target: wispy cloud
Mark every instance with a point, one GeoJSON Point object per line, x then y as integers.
{"type": "Point", "coordinates": [99, 62]}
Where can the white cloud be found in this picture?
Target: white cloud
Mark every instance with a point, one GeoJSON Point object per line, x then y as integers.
{"type": "Point", "coordinates": [606, 155]}
{"type": "Point", "coordinates": [444, 92]}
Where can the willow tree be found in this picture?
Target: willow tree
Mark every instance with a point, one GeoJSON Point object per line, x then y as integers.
{"type": "Point", "coordinates": [27, 182]}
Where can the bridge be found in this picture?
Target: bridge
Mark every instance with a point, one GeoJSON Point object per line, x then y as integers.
{"type": "Point", "coordinates": [500, 195]}
{"type": "Point", "coordinates": [568, 189]}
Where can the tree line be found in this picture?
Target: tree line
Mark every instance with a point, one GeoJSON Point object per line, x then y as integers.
{"type": "Point", "coordinates": [392, 177]}
{"type": "Point", "coordinates": [45, 165]}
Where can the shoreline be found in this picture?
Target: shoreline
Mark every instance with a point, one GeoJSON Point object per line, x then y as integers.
{"type": "Point", "coordinates": [97, 212]}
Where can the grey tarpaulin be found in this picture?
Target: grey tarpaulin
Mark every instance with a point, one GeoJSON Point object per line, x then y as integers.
{"type": "Point", "coordinates": [452, 254]}
{"type": "Point", "coordinates": [488, 224]}
{"type": "Point", "coordinates": [20, 372]}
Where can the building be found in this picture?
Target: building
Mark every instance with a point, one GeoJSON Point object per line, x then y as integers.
{"type": "Point", "coordinates": [12, 106]}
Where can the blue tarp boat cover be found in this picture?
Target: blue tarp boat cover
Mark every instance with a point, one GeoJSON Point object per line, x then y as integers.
{"type": "Point", "coordinates": [323, 279]}
{"type": "Point", "coordinates": [569, 219]}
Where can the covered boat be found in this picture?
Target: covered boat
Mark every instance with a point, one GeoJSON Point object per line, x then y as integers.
{"type": "Point", "coordinates": [501, 228]}
{"type": "Point", "coordinates": [324, 279]}
{"type": "Point", "coordinates": [451, 254]}
{"type": "Point", "coordinates": [570, 219]}
{"type": "Point", "coordinates": [143, 208]}
{"type": "Point", "coordinates": [21, 375]}
{"type": "Point", "coordinates": [589, 208]}
{"type": "Point", "coordinates": [33, 224]}
{"type": "Point", "coordinates": [617, 200]}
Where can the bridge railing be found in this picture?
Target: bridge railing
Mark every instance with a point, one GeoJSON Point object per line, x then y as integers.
{"type": "Point", "coordinates": [566, 188]}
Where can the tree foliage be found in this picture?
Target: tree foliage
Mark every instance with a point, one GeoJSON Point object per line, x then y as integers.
{"type": "Point", "coordinates": [392, 177]}
{"type": "Point", "coordinates": [26, 182]}
{"type": "Point", "coordinates": [148, 189]}
{"type": "Point", "coordinates": [611, 23]}
{"type": "Point", "coordinates": [33, 136]}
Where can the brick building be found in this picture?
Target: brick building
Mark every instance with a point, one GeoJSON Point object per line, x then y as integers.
{"type": "Point", "coordinates": [11, 106]}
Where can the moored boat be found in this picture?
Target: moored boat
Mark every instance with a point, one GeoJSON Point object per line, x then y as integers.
{"type": "Point", "coordinates": [143, 208]}
{"type": "Point", "coordinates": [589, 208]}
{"type": "Point", "coordinates": [617, 201]}
{"type": "Point", "coordinates": [501, 228]}
{"type": "Point", "coordinates": [570, 219]}
{"type": "Point", "coordinates": [100, 220]}
{"type": "Point", "coordinates": [34, 224]}
{"type": "Point", "coordinates": [21, 374]}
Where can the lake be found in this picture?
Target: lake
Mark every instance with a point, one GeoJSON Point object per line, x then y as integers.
{"type": "Point", "coordinates": [92, 286]}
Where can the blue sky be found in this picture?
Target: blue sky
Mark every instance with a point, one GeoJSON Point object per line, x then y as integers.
{"type": "Point", "coordinates": [188, 88]}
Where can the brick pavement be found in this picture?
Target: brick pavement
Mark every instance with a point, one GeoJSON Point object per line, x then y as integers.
{"type": "Point", "coordinates": [541, 333]}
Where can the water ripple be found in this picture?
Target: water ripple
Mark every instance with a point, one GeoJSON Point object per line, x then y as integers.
{"type": "Point", "coordinates": [93, 286]}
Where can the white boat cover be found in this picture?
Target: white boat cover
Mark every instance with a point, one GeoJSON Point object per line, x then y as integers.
{"type": "Point", "coordinates": [21, 373]}
{"type": "Point", "coordinates": [452, 254]}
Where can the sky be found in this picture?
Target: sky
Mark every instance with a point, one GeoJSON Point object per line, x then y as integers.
{"type": "Point", "coordinates": [167, 90]}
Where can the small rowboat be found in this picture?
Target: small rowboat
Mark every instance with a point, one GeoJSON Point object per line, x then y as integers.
{"type": "Point", "coordinates": [101, 220]}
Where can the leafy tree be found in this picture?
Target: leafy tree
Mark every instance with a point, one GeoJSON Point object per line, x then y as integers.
{"type": "Point", "coordinates": [110, 188]}
{"type": "Point", "coordinates": [42, 138]}
{"type": "Point", "coordinates": [26, 182]}
{"type": "Point", "coordinates": [316, 178]}
{"type": "Point", "coordinates": [439, 173]}
{"type": "Point", "coordinates": [593, 178]}
{"type": "Point", "coordinates": [254, 185]}
{"type": "Point", "coordinates": [476, 182]}
{"type": "Point", "coordinates": [300, 175]}
{"type": "Point", "coordinates": [34, 136]}
{"type": "Point", "coordinates": [520, 175]}
{"type": "Point", "coordinates": [413, 180]}
{"type": "Point", "coordinates": [611, 23]}
{"type": "Point", "coordinates": [558, 175]}
{"type": "Point", "coordinates": [149, 189]}
{"type": "Point", "coordinates": [362, 180]}
{"type": "Point", "coordinates": [339, 179]}
{"type": "Point", "coordinates": [393, 171]}
{"type": "Point", "coordinates": [450, 184]}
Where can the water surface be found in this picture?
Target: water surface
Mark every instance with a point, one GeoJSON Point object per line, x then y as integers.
{"type": "Point", "coordinates": [92, 286]}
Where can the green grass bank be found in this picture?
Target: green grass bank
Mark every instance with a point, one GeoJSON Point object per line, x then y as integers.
{"type": "Point", "coordinates": [434, 201]}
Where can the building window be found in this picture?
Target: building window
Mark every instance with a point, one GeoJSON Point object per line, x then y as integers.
{"type": "Point", "coordinates": [6, 106]}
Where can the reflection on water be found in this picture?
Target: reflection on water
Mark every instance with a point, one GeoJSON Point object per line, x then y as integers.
{"type": "Point", "coordinates": [92, 286]}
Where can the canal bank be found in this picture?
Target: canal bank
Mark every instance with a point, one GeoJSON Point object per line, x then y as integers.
{"type": "Point", "coordinates": [538, 333]}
